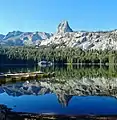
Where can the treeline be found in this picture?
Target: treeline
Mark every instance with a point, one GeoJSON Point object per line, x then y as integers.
{"type": "Point", "coordinates": [32, 55]}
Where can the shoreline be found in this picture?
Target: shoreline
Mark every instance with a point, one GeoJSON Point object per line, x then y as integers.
{"type": "Point", "coordinates": [10, 115]}
{"type": "Point", "coordinates": [60, 64]}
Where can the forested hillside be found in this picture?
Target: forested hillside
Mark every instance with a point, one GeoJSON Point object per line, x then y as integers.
{"type": "Point", "coordinates": [32, 55]}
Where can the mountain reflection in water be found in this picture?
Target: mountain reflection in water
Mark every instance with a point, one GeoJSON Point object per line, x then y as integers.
{"type": "Point", "coordinates": [77, 90]}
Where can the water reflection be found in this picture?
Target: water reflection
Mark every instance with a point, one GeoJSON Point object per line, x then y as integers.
{"type": "Point", "coordinates": [67, 88]}
{"type": "Point", "coordinates": [63, 90]}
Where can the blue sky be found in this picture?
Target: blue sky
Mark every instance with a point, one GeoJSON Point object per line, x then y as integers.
{"type": "Point", "coordinates": [45, 15]}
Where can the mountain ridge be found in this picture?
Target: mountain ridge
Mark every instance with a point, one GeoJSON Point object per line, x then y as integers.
{"type": "Point", "coordinates": [82, 39]}
{"type": "Point", "coordinates": [64, 37]}
{"type": "Point", "coordinates": [19, 38]}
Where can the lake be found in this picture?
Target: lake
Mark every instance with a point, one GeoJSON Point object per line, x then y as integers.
{"type": "Point", "coordinates": [75, 90]}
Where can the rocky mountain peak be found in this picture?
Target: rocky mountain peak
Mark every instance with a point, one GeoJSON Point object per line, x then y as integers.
{"type": "Point", "coordinates": [64, 27]}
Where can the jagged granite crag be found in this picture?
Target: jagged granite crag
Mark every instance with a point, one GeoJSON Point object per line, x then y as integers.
{"type": "Point", "coordinates": [64, 91]}
{"type": "Point", "coordinates": [64, 27]}
{"type": "Point", "coordinates": [65, 36]}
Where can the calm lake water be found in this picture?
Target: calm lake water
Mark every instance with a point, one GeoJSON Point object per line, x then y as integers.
{"type": "Point", "coordinates": [74, 90]}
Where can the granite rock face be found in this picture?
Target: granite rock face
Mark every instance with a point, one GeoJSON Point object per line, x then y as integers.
{"type": "Point", "coordinates": [66, 37]}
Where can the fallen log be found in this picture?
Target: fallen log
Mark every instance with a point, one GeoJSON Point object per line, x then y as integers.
{"type": "Point", "coordinates": [24, 76]}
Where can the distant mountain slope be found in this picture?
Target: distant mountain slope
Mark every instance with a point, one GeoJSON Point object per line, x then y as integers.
{"type": "Point", "coordinates": [1, 36]}
{"type": "Point", "coordinates": [23, 38]}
